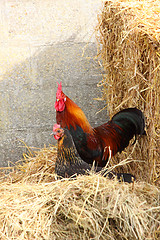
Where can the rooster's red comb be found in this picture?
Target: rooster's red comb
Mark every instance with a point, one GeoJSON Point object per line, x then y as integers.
{"type": "Point", "coordinates": [59, 90]}
{"type": "Point", "coordinates": [59, 86]}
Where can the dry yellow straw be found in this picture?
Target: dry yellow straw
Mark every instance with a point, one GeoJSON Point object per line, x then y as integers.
{"type": "Point", "coordinates": [128, 35]}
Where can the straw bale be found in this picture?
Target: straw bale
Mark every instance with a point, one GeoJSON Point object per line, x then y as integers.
{"type": "Point", "coordinates": [128, 36]}
{"type": "Point", "coordinates": [88, 207]}
{"type": "Point", "coordinates": [35, 204]}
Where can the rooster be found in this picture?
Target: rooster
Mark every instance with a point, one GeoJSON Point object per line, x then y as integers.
{"type": "Point", "coordinates": [100, 143]}
{"type": "Point", "coordinates": [69, 163]}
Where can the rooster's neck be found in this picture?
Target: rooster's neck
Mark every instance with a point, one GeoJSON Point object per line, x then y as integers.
{"type": "Point", "coordinates": [74, 116]}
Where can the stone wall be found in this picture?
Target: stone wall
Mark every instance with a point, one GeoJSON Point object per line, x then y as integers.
{"type": "Point", "coordinates": [43, 42]}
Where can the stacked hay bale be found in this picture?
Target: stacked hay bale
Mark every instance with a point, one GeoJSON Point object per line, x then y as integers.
{"type": "Point", "coordinates": [89, 207]}
{"type": "Point", "coordinates": [128, 37]}
{"type": "Point", "coordinates": [34, 204]}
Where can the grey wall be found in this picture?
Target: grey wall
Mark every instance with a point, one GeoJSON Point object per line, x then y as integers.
{"type": "Point", "coordinates": [30, 70]}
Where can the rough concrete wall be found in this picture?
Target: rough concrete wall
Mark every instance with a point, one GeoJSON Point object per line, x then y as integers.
{"type": "Point", "coordinates": [43, 42]}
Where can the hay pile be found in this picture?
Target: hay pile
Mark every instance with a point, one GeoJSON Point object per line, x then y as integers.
{"type": "Point", "coordinates": [35, 205]}
{"type": "Point", "coordinates": [35, 167]}
{"type": "Point", "coordinates": [128, 37]}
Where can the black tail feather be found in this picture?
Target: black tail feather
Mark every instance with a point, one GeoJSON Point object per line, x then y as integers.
{"type": "Point", "coordinates": [131, 117]}
{"type": "Point", "coordinates": [132, 123]}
